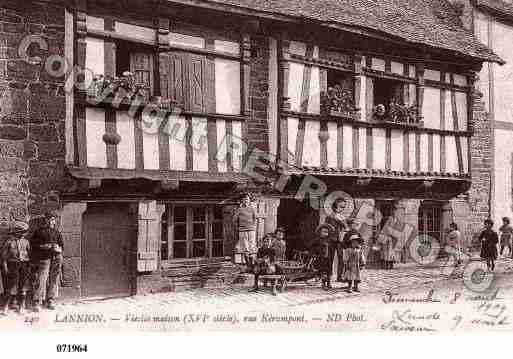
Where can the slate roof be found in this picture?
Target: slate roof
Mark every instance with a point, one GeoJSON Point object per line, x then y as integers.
{"type": "Point", "coordinates": [498, 7]}
{"type": "Point", "coordinates": [430, 22]}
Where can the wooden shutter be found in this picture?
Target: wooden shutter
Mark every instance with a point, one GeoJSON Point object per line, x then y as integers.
{"type": "Point", "coordinates": [197, 82]}
{"type": "Point", "coordinates": [229, 231]}
{"type": "Point", "coordinates": [173, 77]}
{"type": "Point", "coordinates": [188, 80]}
{"type": "Point", "coordinates": [148, 235]}
{"type": "Point", "coordinates": [141, 65]}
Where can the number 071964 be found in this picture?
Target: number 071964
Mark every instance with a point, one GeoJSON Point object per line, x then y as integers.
{"type": "Point", "coordinates": [71, 348]}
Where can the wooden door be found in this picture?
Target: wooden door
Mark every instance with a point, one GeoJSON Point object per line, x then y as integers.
{"type": "Point", "coordinates": [108, 239]}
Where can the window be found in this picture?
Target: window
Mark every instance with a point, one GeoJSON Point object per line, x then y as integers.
{"type": "Point", "coordinates": [192, 232]}
{"type": "Point", "coordinates": [138, 60]}
{"type": "Point", "coordinates": [202, 82]}
{"type": "Point", "coordinates": [430, 220]}
{"type": "Point", "coordinates": [339, 97]}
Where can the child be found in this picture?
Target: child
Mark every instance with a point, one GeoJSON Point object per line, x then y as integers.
{"type": "Point", "coordinates": [489, 240]}
{"type": "Point", "coordinates": [322, 248]}
{"type": "Point", "coordinates": [266, 258]}
{"type": "Point", "coordinates": [279, 245]}
{"type": "Point", "coordinates": [506, 236]}
{"type": "Point", "coordinates": [454, 239]}
{"type": "Point", "coordinates": [244, 221]}
{"type": "Point", "coordinates": [354, 261]}
{"type": "Point", "coordinates": [346, 243]}
{"type": "Point", "coordinates": [15, 264]}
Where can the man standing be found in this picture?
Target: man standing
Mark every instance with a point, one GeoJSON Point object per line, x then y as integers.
{"type": "Point", "coordinates": [47, 246]}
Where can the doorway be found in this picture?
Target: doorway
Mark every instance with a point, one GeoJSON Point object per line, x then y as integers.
{"type": "Point", "coordinates": [299, 221]}
{"type": "Point", "coordinates": [108, 239]}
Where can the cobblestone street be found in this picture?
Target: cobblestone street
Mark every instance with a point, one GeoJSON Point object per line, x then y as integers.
{"type": "Point", "coordinates": [300, 297]}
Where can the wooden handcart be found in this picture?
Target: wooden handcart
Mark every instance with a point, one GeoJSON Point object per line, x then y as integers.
{"type": "Point", "coordinates": [301, 269]}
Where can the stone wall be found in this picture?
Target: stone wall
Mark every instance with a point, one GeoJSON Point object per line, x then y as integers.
{"type": "Point", "coordinates": [32, 111]}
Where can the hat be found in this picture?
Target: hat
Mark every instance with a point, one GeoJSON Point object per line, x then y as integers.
{"type": "Point", "coordinates": [280, 229]}
{"type": "Point", "coordinates": [49, 215]}
{"type": "Point", "coordinates": [325, 225]}
{"type": "Point", "coordinates": [18, 227]}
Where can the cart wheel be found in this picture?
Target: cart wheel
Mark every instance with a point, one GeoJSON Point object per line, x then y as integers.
{"type": "Point", "coordinates": [314, 281]}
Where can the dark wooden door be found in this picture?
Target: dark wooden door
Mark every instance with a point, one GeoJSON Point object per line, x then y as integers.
{"type": "Point", "coordinates": [109, 236]}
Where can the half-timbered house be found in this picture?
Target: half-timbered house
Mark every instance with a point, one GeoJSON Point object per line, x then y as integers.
{"type": "Point", "coordinates": [176, 106]}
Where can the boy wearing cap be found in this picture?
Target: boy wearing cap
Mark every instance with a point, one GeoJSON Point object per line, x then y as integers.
{"type": "Point", "coordinates": [15, 264]}
{"type": "Point", "coordinates": [322, 250]}
{"type": "Point", "coordinates": [47, 246]}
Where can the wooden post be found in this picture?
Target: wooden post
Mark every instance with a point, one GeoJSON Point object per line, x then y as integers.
{"type": "Point", "coordinates": [283, 97]}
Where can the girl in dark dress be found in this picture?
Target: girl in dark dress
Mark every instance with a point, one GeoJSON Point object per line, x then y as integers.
{"type": "Point", "coordinates": [489, 240]}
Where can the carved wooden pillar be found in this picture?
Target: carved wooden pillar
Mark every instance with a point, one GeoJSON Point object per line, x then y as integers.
{"type": "Point", "coordinates": [283, 96]}
{"type": "Point", "coordinates": [358, 78]}
{"type": "Point", "coordinates": [420, 90]}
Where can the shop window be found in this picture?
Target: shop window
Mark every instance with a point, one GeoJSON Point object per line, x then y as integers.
{"type": "Point", "coordinates": [192, 232]}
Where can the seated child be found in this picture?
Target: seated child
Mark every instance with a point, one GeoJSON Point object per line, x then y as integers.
{"type": "Point", "coordinates": [354, 261]}
{"type": "Point", "coordinates": [322, 249]}
{"type": "Point", "coordinates": [266, 258]}
{"type": "Point", "coordinates": [279, 245]}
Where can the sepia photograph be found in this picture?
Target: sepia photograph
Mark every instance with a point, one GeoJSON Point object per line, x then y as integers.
{"type": "Point", "coordinates": [171, 166]}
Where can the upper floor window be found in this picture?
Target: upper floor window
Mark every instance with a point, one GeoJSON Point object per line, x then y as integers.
{"type": "Point", "coordinates": [201, 73]}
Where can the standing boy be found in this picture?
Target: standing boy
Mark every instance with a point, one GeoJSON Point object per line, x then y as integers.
{"type": "Point", "coordinates": [489, 240]}
{"type": "Point", "coordinates": [506, 236]}
{"type": "Point", "coordinates": [244, 221]}
{"type": "Point", "coordinates": [16, 267]}
{"type": "Point", "coordinates": [321, 249]}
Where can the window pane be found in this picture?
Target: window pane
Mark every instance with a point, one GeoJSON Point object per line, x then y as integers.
{"type": "Point", "coordinates": [227, 86]}
{"type": "Point", "coordinates": [217, 229]}
{"type": "Point", "coordinates": [217, 249]}
{"type": "Point", "coordinates": [218, 212]}
{"type": "Point", "coordinates": [180, 233]}
{"type": "Point", "coordinates": [179, 214]}
{"type": "Point", "coordinates": [198, 249]}
{"type": "Point", "coordinates": [198, 231]}
{"type": "Point", "coordinates": [179, 250]}
{"type": "Point", "coordinates": [199, 214]}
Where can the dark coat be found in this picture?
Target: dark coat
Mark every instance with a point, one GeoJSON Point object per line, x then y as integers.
{"type": "Point", "coordinates": [43, 236]}
{"type": "Point", "coordinates": [321, 249]}
{"type": "Point", "coordinates": [489, 245]}
{"type": "Point", "coordinates": [339, 225]}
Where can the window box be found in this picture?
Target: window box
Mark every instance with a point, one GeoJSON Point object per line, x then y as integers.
{"type": "Point", "coordinates": [397, 114]}
{"type": "Point", "coordinates": [338, 102]}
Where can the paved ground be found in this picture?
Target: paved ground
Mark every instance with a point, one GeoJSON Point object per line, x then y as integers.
{"type": "Point", "coordinates": [197, 309]}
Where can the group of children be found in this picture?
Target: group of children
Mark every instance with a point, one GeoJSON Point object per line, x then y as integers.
{"type": "Point", "coordinates": [351, 259]}
{"type": "Point", "coordinates": [34, 265]}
